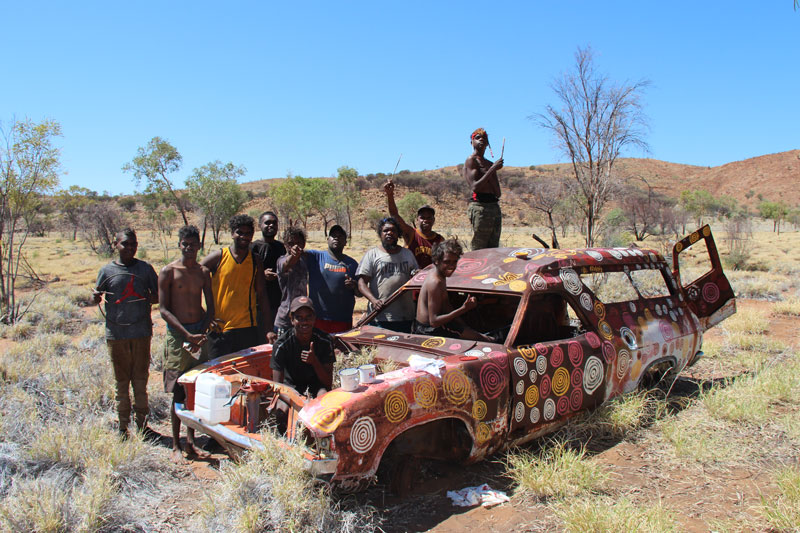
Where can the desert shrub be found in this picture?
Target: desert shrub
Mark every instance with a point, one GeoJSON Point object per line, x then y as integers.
{"type": "Point", "coordinates": [270, 491]}
{"type": "Point", "coordinates": [788, 307]}
{"type": "Point", "coordinates": [555, 471]}
{"type": "Point", "coordinates": [618, 419]}
{"type": "Point", "coordinates": [783, 510]}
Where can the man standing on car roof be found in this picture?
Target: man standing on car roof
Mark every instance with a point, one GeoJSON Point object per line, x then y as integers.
{"type": "Point", "coordinates": [130, 286]}
{"type": "Point", "coordinates": [484, 208]}
{"type": "Point", "coordinates": [332, 283]}
{"type": "Point", "coordinates": [420, 240]}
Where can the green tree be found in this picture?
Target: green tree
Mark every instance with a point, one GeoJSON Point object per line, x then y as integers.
{"type": "Point", "coordinates": [321, 198]}
{"type": "Point", "coordinates": [214, 189]}
{"type": "Point", "coordinates": [155, 162]}
{"type": "Point", "coordinates": [407, 205]}
{"type": "Point", "coordinates": [774, 211]}
{"type": "Point", "coordinates": [73, 203]}
{"type": "Point", "coordinates": [349, 197]}
{"type": "Point", "coordinates": [593, 122]}
{"type": "Point", "coordinates": [29, 166]}
{"type": "Point", "coordinates": [697, 203]}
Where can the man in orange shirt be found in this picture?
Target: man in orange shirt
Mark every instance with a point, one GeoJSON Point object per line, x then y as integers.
{"type": "Point", "coordinates": [420, 240]}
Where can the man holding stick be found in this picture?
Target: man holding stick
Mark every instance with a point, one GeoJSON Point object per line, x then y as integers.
{"type": "Point", "coordinates": [484, 209]}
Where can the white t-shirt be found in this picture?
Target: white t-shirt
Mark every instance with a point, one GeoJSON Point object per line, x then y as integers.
{"type": "Point", "coordinates": [387, 273]}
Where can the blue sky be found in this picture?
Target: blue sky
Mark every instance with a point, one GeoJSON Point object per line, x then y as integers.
{"type": "Point", "coordinates": [309, 86]}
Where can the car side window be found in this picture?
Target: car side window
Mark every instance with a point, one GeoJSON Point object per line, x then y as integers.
{"type": "Point", "coordinates": [548, 317]}
{"type": "Point", "coordinates": [493, 316]}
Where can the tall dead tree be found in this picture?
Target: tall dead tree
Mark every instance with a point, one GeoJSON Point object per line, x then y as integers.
{"type": "Point", "coordinates": [594, 121]}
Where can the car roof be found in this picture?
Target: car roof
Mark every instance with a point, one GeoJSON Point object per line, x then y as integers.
{"type": "Point", "coordinates": [513, 270]}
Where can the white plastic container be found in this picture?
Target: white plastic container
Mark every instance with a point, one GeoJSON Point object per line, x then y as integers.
{"type": "Point", "coordinates": [211, 393]}
{"type": "Point", "coordinates": [349, 377]}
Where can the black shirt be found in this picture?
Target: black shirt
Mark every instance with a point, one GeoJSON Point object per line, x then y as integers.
{"type": "Point", "coordinates": [269, 252]}
{"type": "Point", "coordinates": [286, 359]}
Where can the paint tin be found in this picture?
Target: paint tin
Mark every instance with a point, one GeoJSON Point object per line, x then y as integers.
{"type": "Point", "coordinates": [366, 373]}
{"type": "Point", "coordinates": [349, 377]}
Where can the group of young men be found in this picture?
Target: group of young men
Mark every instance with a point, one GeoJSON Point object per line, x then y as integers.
{"type": "Point", "coordinates": [281, 293]}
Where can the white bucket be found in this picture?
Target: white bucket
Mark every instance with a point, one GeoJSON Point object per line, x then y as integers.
{"type": "Point", "coordinates": [211, 393]}
{"type": "Point", "coordinates": [349, 377]}
{"type": "Point", "coordinates": [366, 373]}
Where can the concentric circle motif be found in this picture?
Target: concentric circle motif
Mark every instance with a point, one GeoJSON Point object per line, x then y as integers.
{"type": "Point", "coordinates": [395, 406]}
{"type": "Point", "coordinates": [615, 253]}
{"type": "Point", "coordinates": [493, 380]}
{"type": "Point", "coordinates": [520, 388]}
{"type": "Point", "coordinates": [605, 330]}
{"type": "Point", "coordinates": [560, 381]}
{"type": "Point", "coordinates": [533, 375]}
{"type": "Point", "coordinates": [540, 348]}
{"type": "Point", "coordinates": [575, 399]}
{"type": "Point", "coordinates": [354, 333]}
{"type": "Point", "coordinates": [520, 367]}
{"type": "Point", "coordinates": [549, 409]}
{"type": "Point", "coordinates": [393, 338]}
{"type": "Point", "coordinates": [433, 342]}
{"type": "Point", "coordinates": [362, 435]}
{"type": "Point", "coordinates": [456, 386]}
{"type": "Point", "coordinates": [678, 247]}
{"type": "Point", "coordinates": [473, 353]}
{"type": "Point", "coordinates": [563, 405]}
{"type": "Point", "coordinates": [623, 362]}
{"type": "Point", "coordinates": [468, 265]}
{"type": "Point", "coordinates": [673, 315]}
{"type": "Point", "coordinates": [586, 301]}
{"type": "Point", "coordinates": [541, 364]}
{"type": "Point", "coordinates": [592, 374]}
{"type": "Point", "coordinates": [658, 309]}
{"type": "Point", "coordinates": [532, 396]}
{"type": "Point", "coordinates": [544, 386]}
{"type": "Point", "coordinates": [694, 237]}
{"type": "Point", "coordinates": [597, 256]}
{"type": "Point", "coordinates": [538, 283]}
{"type": "Point", "coordinates": [706, 231]}
{"type": "Point", "coordinates": [593, 339]}
{"type": "Point", "coordinates": [519, 411]}
{"type": "Point", "coordinates": [632, 307]}
{"type": "Point", "coordinates": [328, 420]}
{"type": "Point", "coordinates": [380, 336]}
{"type": "Point", "coordinates": [628, 336]}
{"type": "Point", "coordinates": [425, 393]}
{"type": "Point", "coordinates": [535, 414]}
{"type": "Point", "coordinates": [420, 277]}
{"type": "Point", "coordinates": [710, 292]}
{"type": "Point", "coordinates": [527, 352]}
{"type": "Point", "coordinates": [666, 330]}
{"type": "Point", "coordinates": [571, 280]}
{"type": "Point", "coordinates": [557, 356]}
{"type": "Point", "coordinates": [517, 285]}
{"type": "Point", "coordinates": [454, 347]}
{"type": "Point", "coordinates": [482, 432]}
{"type": "Point", "coordinates": [600, 310]}
{"type": "Point", "coordinates": [575, 353]}
{"type": "Point", "coordinates": [609, 353]}
{"type": "Point", "coordinates": [479, 410]}
{"type": "Point", "coordinates": [576, 378]}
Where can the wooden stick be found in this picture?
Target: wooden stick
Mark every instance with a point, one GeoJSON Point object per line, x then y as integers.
{"type": "Point", "coordinates": [397, 165]}
{"type": "Point", "coordinates": [503, 149]}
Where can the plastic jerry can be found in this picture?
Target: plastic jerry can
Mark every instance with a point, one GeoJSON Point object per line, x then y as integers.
{"type": "Point", "coordinates": [212, 392]}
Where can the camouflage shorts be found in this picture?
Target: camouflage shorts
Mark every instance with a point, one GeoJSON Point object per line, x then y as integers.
{"type": "Point", "coordinates": [487, 222]}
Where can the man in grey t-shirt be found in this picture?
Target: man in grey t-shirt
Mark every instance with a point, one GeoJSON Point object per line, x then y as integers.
{"type": "Point", "coordinates": [382, 271]}
{"type": "Point", "coordinates": [130, 286]}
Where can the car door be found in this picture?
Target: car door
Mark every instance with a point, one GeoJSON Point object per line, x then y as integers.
{"type": "Point", "coordinates": [709, 296]}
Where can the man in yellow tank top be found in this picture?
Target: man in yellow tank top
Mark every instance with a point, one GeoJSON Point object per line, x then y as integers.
{"type": "Point", "coordinates": [237, 283]}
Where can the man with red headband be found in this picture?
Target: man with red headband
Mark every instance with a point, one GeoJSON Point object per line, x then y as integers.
{"type": "Point", "coordinates": [484, 209]}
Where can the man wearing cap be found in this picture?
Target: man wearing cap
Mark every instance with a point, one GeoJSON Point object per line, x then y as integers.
{"type": "Point", "coordinates": [420, 240]}
{"type": "Point", "coordinates": [484, 209]}
{"type": "Point", "coordinates": [331, 283]}
{"type": "Point", "coordinates": [303, 357]}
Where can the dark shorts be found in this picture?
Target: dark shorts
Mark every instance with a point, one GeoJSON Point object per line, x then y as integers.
{"type": "Point", "coordinates": [233, 340]}
{"type": "Point", "coordinates": [452, 330]}
{"type": "Point", "coordinates": [401, 326]}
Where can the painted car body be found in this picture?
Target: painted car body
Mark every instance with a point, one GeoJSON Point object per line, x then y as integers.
{"type": "Point", "coordinates": [475, 398]}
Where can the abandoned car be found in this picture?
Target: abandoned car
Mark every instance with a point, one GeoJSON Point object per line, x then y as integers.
{"type": "Point", "coordinates": [571, 329]}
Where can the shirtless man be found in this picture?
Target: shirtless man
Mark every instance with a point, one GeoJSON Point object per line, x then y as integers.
{"type": "Point", "coordinates": [181, 284]}
{"type": "Point", "coordinates": [420, 240]}
{"type": "Point", "coordinates": [484, 209]}
{"type": "Point", "coordinates": [435, 315]}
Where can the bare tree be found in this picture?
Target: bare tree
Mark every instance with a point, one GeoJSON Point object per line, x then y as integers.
{"type": "Point", "coordinates": [547, 195]}
{"type": "Point", "coordinates": [595, 120]}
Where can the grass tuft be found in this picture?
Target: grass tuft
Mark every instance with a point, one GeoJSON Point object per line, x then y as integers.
{"type": "Point", "coordinates": [555, 471]}
{"type": "Point", "coordinates": [606, 514]}
{"type": "Point", "coordinates": [782, 512]}
{"type": "Point", "coordinates": [789, 307]}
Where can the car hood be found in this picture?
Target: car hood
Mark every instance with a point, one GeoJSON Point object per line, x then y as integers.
{"type": "Point", "coordinates": [400, 346]}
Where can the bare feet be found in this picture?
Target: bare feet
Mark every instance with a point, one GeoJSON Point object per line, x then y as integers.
{"type": "Point", "coordinates": [194, 452]}
{"type": "Point", "coordinates": [177, 457]}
